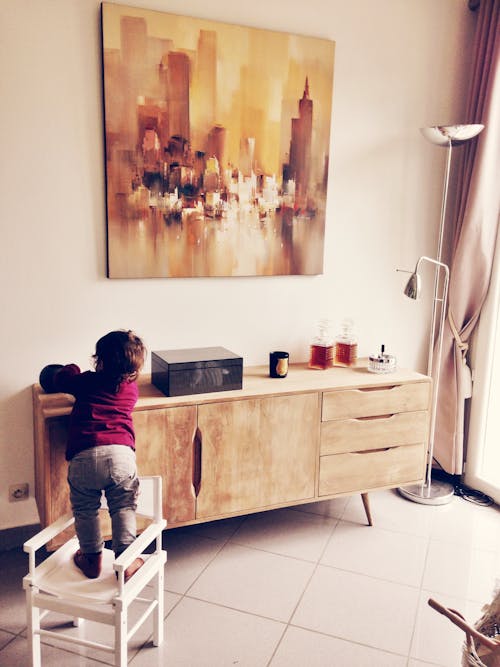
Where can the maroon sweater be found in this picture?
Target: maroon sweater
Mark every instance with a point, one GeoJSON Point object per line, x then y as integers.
{"type": "Point", "coordinates": [101, 415]}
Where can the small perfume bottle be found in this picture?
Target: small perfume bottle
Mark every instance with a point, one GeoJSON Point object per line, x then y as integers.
{"type": "Point", "coordinates": [321, 356]}
{"type": "Point", "coordinates": [346, 346]}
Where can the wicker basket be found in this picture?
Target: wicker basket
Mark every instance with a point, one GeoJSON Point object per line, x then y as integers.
{"type": "Point", "coordinates": [482, 640]}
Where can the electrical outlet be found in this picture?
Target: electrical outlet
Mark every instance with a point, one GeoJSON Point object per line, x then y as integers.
{"type": "Point", "coordinates": [19, 492]}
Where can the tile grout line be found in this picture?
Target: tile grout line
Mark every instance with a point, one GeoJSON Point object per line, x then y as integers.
{"type": "Point", "coordinates": [288, 623]}
{"type": "Point", "coordinates": [420, 587]}
{"type": "Point", "coordinates": [224, 543]}
{"type": "Point", "coordinates": [410, 657]}
{"type": "Point", "coordinates": [13, 637]}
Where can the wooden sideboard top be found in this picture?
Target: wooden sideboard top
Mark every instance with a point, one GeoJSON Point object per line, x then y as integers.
{"type": "Point", "coordinates": [256, 383]}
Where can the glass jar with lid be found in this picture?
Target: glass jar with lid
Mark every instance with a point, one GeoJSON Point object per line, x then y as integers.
{"type": "Point", "coordinates": [321, 351]}
{"type": "Point", "coordinates": [346, 345]}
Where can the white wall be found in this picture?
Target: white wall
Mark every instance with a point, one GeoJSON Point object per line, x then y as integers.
{"type": "Point", "coordinates": [400, 64]}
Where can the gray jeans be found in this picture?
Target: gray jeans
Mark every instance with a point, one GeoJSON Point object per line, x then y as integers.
{"type": "Point", "coordinates": [111, 468]}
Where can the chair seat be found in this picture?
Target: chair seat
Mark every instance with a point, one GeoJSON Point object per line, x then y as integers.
{"type": "Point", "coordinates": [59, 576]}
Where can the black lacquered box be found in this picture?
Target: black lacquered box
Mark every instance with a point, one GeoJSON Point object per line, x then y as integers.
{"type": "Point", "coordinates": [196, 370]}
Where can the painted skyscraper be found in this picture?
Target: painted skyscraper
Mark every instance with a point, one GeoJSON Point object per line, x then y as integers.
{"type": "Point", "coordinates": [300, 145]}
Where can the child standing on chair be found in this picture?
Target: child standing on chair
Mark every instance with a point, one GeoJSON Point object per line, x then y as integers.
{"type": "Point", "coordinates": [101, 444]}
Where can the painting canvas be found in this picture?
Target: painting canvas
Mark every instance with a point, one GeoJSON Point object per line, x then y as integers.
{"type": "Point", "coordinates": [217, 147]}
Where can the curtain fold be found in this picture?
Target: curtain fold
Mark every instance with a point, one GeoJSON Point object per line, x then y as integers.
{"type": "Point", "coordinates": [474, 238]}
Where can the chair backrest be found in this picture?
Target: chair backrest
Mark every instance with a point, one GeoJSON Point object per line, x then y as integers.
{"type": "Point", "coordinates": [149, 501]}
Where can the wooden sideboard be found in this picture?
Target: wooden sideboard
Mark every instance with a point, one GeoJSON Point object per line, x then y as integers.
{"type": "Point", "coordinates": [311, 436]}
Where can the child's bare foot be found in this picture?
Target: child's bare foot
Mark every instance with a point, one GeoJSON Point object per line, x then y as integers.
{"type": "Point", "coordinates": [132, 568]}
{"type": "Point", "coordinates": [89, 564]}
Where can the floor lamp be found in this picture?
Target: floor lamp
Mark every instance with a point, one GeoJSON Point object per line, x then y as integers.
{"type": "Point", "coordinates": [437, 492]}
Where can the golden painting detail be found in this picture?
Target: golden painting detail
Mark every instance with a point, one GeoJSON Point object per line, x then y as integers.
{"type": "Point", "coordinates": [217, 147]}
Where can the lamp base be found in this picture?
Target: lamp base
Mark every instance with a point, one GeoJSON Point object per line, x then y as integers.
{"type": "Point", "coordinates": [437, 492]}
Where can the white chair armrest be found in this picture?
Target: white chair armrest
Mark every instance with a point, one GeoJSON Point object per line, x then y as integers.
{"type": "Point", "coordinates": [48, 533]}
{"type": "Point", "coordinates": [137, 547]}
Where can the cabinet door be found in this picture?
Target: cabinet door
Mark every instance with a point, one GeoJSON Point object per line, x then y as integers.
{"type": "Point", "coordinates": [256, 453]}
{"type": "Point", "coordinates": [164, 446]}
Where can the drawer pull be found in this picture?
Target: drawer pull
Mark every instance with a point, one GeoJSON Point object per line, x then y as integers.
{"type": "Point", "coordinates": [367, 389]}
{"type": "Point", "coordinates": [368, 419]}
{"type": "Point", "coordinates": [372, 451]}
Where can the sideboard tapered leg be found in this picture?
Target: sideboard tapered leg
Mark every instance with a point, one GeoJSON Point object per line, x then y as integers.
{"type": "Point", "coordinates": [366, 505]}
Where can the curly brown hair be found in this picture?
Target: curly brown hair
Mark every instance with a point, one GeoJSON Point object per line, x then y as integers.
{"type": "Point", "coordinates": [120, 356]}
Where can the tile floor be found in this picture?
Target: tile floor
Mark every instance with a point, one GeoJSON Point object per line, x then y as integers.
{"type": "Point", "coordinates": [312, 585]}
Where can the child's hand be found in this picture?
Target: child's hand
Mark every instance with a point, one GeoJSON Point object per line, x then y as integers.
{"type": "Point", "coordinates": [47, 377]}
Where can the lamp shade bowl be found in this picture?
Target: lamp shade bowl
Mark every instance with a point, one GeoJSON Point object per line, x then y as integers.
{"type": "Point", "coordinates": [457, 134]}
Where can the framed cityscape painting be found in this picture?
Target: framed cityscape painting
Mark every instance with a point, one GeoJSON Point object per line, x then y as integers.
{"type": "Point", "coordinates": [217, 147]}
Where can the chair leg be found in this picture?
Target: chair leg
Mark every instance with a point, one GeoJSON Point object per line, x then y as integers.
{"type": "Point", "coordinates": [121, 638]}
{"type": "Point", "coordinates": [366, 505]}
{"type": "Point", "coordinates": [158, 615]}
{"type": "Point", "coordinates": [33, 623]}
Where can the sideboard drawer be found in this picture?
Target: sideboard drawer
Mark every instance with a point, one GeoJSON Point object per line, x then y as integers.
{"type": "Point", "coordinates": [361, 434]}
{"type": "Point", "coordinates": [388, 400]}
{"type": "Point", "coordinates": [352, 472]}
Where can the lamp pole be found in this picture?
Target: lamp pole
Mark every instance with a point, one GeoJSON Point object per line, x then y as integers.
{"type": "Point", "coordinates": [432, 341]}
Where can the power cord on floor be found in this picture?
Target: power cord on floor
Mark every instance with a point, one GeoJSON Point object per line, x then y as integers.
{"type": "Point", "coordinates": [472, 495]}
{"type": "Point", "coordinates": [462, 490]}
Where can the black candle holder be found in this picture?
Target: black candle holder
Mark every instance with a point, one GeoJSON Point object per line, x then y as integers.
{"type": "Point", "coordinates": [278, 364]}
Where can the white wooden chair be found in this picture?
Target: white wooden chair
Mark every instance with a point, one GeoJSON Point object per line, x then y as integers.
{"type": "Point", "coordinates": [58, 585]}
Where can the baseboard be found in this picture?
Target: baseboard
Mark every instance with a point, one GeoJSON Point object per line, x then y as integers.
{"type": "Point", "coordinates": [12, 538]}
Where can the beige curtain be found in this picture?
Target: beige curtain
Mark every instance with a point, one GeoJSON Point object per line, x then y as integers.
{"type": "Point", "coordinates": [474, 238]}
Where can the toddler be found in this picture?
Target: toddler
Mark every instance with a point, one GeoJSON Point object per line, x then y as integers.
{"type": "Point", "coordinates": [101, 445]}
